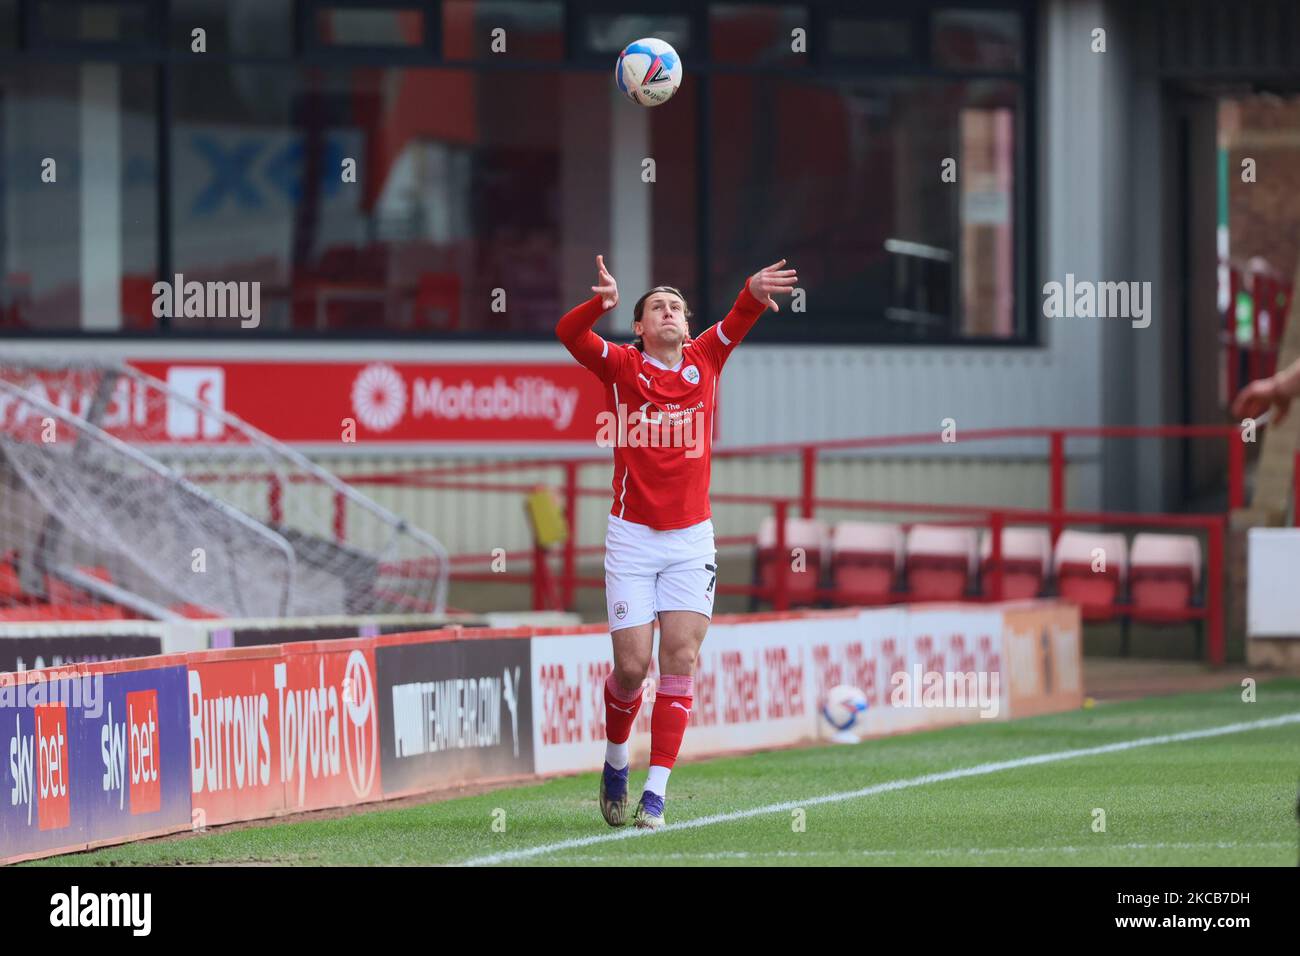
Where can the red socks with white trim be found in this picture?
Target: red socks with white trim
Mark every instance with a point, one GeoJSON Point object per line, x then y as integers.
{"type": "Point", "coordinates": [672, 711]}
{"type": "Point", "coordinates": [621, 707]}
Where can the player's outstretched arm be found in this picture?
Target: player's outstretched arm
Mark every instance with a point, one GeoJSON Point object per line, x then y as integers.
{"type": "Point", "coordinates": [1275, 392]}
{"type": "Point", "coordinates": [754, 298]}
{"type": "Point", "coordinates": [772, 280]}
{"type": "Point", "coordinates": [574, 329]}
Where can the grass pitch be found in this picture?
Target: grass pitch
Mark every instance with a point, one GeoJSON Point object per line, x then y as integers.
{"type": "Point", "coordinates": [962, 796]}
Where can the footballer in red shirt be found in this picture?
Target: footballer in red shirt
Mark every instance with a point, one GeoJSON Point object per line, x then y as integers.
{"type": "Point", "coordinates": [660, 559]}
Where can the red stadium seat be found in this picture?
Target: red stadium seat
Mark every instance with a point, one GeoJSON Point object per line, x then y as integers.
{"type": "Point", "coordinates": [940, 562]}
{"type": "Point", "coordinates": [195, 612]}
{"type": "Point", "coordinates": [63, 612]}
{"type": "Point", "coordinates": [437, 292]}
{"type": "Point", "coordinates": [1096, 592]}
{"type": "Point", "coordinates": [1164, 579]}
{"type": "Point", "coordinates": [137, 303]}
{"type": "Point", "coordinates": [865, 560]}
{"type": "Point", "coordinates": [11, 589]}
{"type": "Point", "coordinates": [1164, 575]}
{"type": "Point", "coordinates": [1026, 560]}
{"type": "Point", "coordinates": [61, 592]}
{"type": "Point", "coordinates": [806, 533]}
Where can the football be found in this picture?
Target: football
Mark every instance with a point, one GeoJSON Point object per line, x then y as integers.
{"type": "Point", "coordinates": [842, 711]}
{"type": "Point", "coordinates": [648, 72]}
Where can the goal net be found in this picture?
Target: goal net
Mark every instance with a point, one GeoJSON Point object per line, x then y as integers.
{"type": "Point", "coordinates": [105, 507]}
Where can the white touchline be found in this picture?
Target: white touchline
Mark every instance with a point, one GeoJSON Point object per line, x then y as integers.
{"type": "Point", "coordinates": [940, 851]}
{"type": "Point", "coordinates": [976, 771]}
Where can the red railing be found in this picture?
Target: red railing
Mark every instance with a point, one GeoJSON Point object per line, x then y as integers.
{"type": "Point", "coordinates": [549, 588]}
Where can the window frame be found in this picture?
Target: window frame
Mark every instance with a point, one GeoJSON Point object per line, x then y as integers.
{"type": "Point", "coordinates": [306, 52]}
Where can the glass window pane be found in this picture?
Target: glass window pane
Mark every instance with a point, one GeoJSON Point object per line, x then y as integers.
{"type": "Point", "coordinates": [987, 163]}
{"type": "Point", "coordinates": [80, 251]}
{"type": "Point", "coordinates": [533, 31]}
{"type": "Point", "coordinates": [977, 39]}
{"type": "Point", "coordinates": [740, 33]}
{"type": "Point", "coordinates": [61, 22]}
{"type": "Point", "coordinates": [241, 208]}
{"type": "Point", "coordinates": [353, 26]}
{"type": "Point", "coordinates": [260, 29]}
{"type": "Point", "coordinates": [8, 24]}
{"type": "Point", "coordinates": [610, 32]}
{"type": "Point", "coordinates": [449, 205]}
{"type": "Point", "coordinates": [870, 38]}
{"type": "Point", "coordinates": [884, 250]}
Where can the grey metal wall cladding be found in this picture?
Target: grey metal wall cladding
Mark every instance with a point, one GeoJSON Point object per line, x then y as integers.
{"type": "Point", "coordinates": [478, 521]}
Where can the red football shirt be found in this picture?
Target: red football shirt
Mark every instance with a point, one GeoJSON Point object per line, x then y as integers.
{"type": "Point", "coordinates": [659, 419]}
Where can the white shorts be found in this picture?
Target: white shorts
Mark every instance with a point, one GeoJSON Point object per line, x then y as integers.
{"type": "Point", "coordinates": [648, 571]}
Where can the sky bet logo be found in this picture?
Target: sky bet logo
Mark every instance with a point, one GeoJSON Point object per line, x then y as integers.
{"type": "Point", "coordinates": [38, 765]}
{"type": "Point", "coordinates": [133, 745]}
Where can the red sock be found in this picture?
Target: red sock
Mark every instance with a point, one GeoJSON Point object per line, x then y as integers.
{"type": "Point", "coordinates": [673, 701]}
{"type": "Point", "coordinates": [620, 710]}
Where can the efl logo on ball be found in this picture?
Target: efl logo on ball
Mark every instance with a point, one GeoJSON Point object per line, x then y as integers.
{"type": "Point", "coordinates": [648, 71]}
{"type": "Point", "coordinates": [842, 712]}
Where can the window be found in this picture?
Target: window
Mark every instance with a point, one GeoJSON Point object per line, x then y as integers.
{"type": "Point", "coordinates": [977, 39]}
{"type": "Point", "coordinates": [102, 23]}
{"type": "Point", "coordinates": [380, 169]}
{"type": "Point", "coordinates": [871, 38]}
{"type": "Point", "coordinates": [532, 30]}
{"type": "Point", "coordinates": [8, 25]}
{"type": "Point", "coordinates": [79, 252]}
{"type": "Point", "coordinates": [367, 27]}
{"type": "Point", "coordinates": [262, 29]}
{"type": "Point", "coordinates": [605, 34]}
{"type": "Point", "coordinates": [451, 204]}
{"type": "Point", "coordinates": [849, 171]}
{"type": "Point", "coordinates": [757, 35]}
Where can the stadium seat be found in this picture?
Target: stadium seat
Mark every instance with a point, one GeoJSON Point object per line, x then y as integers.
{"type": "Point", "coordinates": [62, 612]}
{"type": "Point", "coordinates": [940, 561]}
{"type": "Point", "coordinates": [1096, 592]}
{"type": "Point", "coordinates": [137, 303]}
{"type": "Point", "coordinates": [62, 592]}
{"type": "Point", "coordinates": [11, 589]}
{"type": "Point", "coordinates": [1026, 559]}
{"type": "Point", "coordinates": [1164, 573]}
{"type": "Point", "coordinates": [807, 533]}
{"type": "Point", "coordinates": [865, 560]}
{"type": "Point", "coordinates": [195, 612]}
{"type": "Point", "coordinates": [1164, 580]}
{"type": "Point", "coordinates": [437, 293]}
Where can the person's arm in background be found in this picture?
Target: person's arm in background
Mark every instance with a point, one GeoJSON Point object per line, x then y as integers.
{"type": "Point", "coordinates": [574, 330]}
{"type": "Point", "coordinates": [1275, 391]}
{"type": "Point", "coordinates": [720, 339]}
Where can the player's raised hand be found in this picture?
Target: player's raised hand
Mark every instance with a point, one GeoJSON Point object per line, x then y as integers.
{"type": "Point", "coordinates": [1253, 400]}
{"type": "Point", "coordinates": [772, 280]}
{"type": "Point", "coordinates": [605, 285]}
